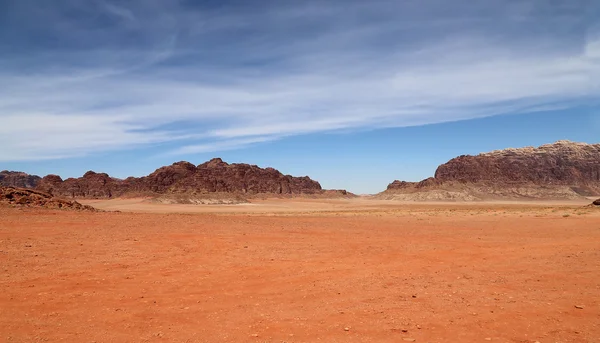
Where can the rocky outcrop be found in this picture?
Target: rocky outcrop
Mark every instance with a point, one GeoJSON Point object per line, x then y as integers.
{"type": "Point", "coordinates": [563, 163]}
{"type": "Point", "coordinates": [561, 170]}
{"type": "Point", "coordinates": [18, 179]}
{"type": "Point", "coordinates": [596, 202]}
{"type": "Point", "coordinates": [32, 198]}
{"type": "Point", "coordinates": [49, 182]}
{"type": "Point", "coordinates": [90, 185]}
{"type": "Point", "coordinates": [183, 180]}
{"type": "Point", "coordinates": [216, 176]}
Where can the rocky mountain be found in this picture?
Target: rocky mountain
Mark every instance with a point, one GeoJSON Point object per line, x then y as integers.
{"type": "Point", "coordinates": [32, 198]}
{"type": "Point", "coordinates": [18, 179]}
{"type": "Point", "coordinates": [561, 170]}
{"type": "Point", "coordinates": [184, 178]}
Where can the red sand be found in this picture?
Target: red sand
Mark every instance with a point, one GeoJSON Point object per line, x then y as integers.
{"type": "Point", "coordinates": [432, 274]}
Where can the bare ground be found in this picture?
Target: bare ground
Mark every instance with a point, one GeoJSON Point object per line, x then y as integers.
{"type": "Point", "coordinates": [302, 271]}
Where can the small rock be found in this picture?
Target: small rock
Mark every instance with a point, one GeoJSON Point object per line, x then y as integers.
{"type": "Point", "coordinates": [419, 327]}
{"type": "Point", "coordinates": [254, 335]}
{"type": "Point", "coordinates": [404, 330]}
{"type": "Point", "coordinates": [579, 307]}
{"type": "Point", "coordinates": [346, 329]}
{"type": "Point", "coordinates": [409, 339]}
{"type": "Point", "coordinates": [488, 339]}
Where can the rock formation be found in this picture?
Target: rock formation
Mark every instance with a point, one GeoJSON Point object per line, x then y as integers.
{"type": "Point", "coordinates": [90, 185]}
{"type": "Point", "coordinates": [18, 179]}
{"type": "Point", "coordinates": [596, 202]}
{"type": "Point", "coordinates": [183, 180]}
{"type": "Point", "coordinates": [561, 170]}
{"type": "Point", "coordinates": [32, 198]}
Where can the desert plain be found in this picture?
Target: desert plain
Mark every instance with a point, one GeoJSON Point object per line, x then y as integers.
{"type": "Point", "coordinates": [292, 270]}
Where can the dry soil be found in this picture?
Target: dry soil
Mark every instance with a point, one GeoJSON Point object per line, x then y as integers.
{"type": "Point", "coordinates": [307, 271]}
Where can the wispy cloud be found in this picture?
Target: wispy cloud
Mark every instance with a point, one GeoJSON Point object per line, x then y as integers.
{"type": "Point", "coordinates": [107, 77]}
{"type": "Point", "coordinates": [221, 145]}
{"type": "Point", "coordinates": [118, 11]}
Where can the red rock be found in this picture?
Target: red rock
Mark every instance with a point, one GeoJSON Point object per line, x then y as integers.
{"type": "Point", "coordinates": [562, 169]}
{"type": "Point", "coordinates": [214, 176]}
{"type": "Point", "coordinates": [32, 198]}
{"type": "Point", "coordinates": [562, 163]}
{"type": "Point", "coordinates": [91, 185]}
{"type": "Point", "coordinates": [18, 179]}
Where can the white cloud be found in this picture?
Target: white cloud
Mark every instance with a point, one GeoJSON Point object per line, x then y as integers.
{"type": "Point", "coordinates": [232, 94]}
{"type": "Point", "coordinates": [221, 145]}
{"type": "Point", "coordinates": [119, 11]}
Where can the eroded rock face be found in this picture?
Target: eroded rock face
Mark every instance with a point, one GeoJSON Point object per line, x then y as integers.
{"type": "Point", "coordinates": [18, 179]}
{"type": "Point", "coordinates": [49, 182]}
{"type": "Point", "coordinates": [90, 185]}
{"type": "Point", "coordinates": [561, 170]}
{"type": "Point", "coordinates": [400, 185]}
{"type": "Point", "coordinates": [562, 163]}
{"type": "Point", "coordinates": [214, 176]}
{"type": "Point", "coordinates": [32, 198]}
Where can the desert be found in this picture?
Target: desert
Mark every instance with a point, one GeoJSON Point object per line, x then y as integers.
{"type": "Point", "coordinates": [259, 256]}
{"type": "Point", "coordinates": [350, 171]}
{"type": "Point", "coordinates": [335, 270]}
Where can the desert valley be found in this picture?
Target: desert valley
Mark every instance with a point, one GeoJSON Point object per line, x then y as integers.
{"type": "Point", "coordinates": [299, 171]}
{"type": "Point", "coordinates": [500, 247]}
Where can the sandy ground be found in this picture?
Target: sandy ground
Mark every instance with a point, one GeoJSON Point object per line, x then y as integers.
{"type": "Point", "coordinates": [303, 271]}
{"type": "Point", "coordinates": [304, 205]}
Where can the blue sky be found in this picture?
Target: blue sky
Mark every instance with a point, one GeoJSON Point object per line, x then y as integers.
{"type": "Point", "coordinates": [352, 93]}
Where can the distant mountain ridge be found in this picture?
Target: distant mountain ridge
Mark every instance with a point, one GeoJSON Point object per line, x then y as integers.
{"type": "Point", "coordinates": [18, 179]}
{"type": "Point", "coordinates": [184, 179]}
{"type": "Point", "coordinates": [561, 170]}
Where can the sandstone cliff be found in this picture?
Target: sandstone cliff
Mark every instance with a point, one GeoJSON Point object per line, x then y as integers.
{"type": "Point", "coordinates": [18, 179]}
{"type": "Point", "coordinates": [554, 171]}
{"type": "Point", "coordinates": [183, 180]}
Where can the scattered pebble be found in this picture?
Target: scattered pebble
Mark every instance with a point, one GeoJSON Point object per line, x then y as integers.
{"type": "Point", "coordinates": [254, 335]}
{"type": "Point", "coordinates": [346, 329]}
{"type": "Point", "coordinates": [579, 307]}
{"type": "Point", "coordinates": [404, 330]}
